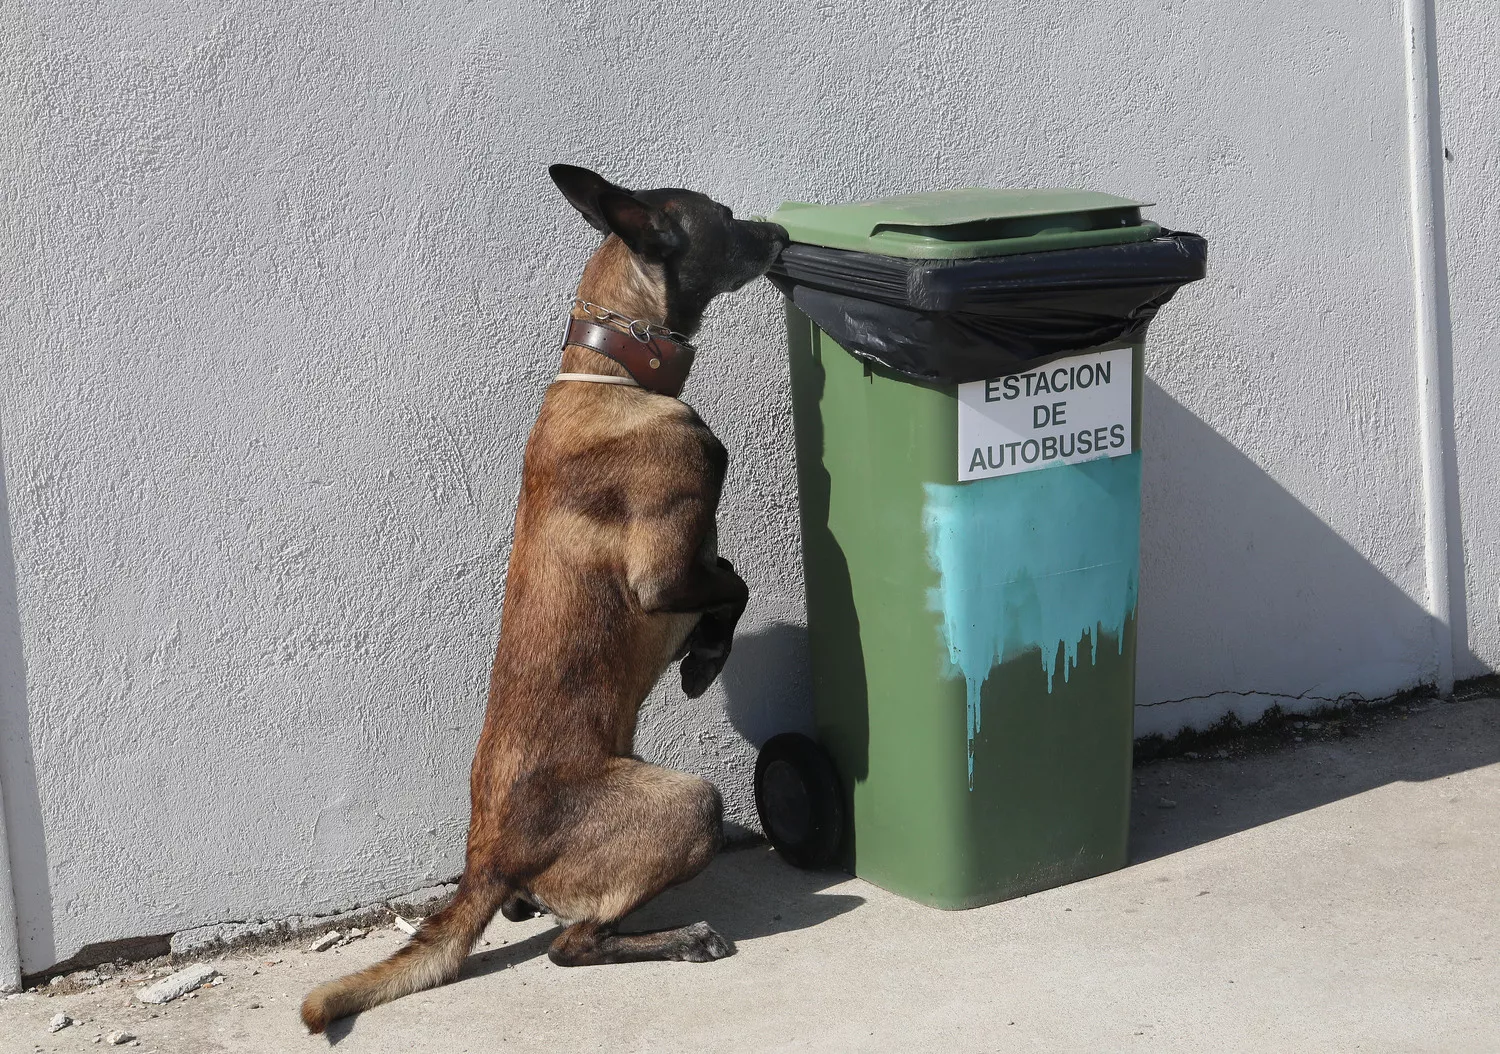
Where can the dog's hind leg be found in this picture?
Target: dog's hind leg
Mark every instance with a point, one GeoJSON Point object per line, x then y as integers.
{"type": "Point", "coordinates": [595, 944]}
{"type": "Point", "coordinates": [644, 828]}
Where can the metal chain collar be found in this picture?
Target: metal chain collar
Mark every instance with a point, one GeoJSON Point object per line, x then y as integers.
{"type": "Point", "coordinates": [638, 328]}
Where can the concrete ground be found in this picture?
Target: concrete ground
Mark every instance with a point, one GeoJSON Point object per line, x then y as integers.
{"type": "Point", "coordinates": [1339, 894]}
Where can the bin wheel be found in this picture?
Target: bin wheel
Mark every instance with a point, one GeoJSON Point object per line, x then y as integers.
{"type": "Point", "coordinates": [800, 800]}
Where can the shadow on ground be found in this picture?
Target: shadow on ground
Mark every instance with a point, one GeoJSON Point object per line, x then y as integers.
{"type": "Point", "coordinates": [745, 894]}
{"type": "Point", "coordinates": [1185, 802]}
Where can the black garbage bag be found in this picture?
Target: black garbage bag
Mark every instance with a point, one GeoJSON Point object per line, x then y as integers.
{"type": "Point", "coordinates": [954, 321]}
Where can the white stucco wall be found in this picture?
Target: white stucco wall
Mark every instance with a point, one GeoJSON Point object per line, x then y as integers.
{"type": "Point", "coordinates": [289, 282]}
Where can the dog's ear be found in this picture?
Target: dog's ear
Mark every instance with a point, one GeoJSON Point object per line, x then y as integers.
{"type": "Point", "coordinates": [582, 188]}
{"type": "Point", "coordinates": [646, 229]}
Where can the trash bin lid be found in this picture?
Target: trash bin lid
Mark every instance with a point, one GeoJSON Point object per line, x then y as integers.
{"type": "Point", "coordinates": [969, 223]}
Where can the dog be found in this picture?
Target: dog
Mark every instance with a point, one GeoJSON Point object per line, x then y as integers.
{"type": "Point", "coordinates": [614, 575]}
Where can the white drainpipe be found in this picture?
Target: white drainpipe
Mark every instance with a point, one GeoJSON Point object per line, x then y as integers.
{"type": "Point", "coordinates": [1434, 335]}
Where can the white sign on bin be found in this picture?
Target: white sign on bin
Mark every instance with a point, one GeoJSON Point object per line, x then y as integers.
{"type": "Point", "coordinates": [1070, 410]}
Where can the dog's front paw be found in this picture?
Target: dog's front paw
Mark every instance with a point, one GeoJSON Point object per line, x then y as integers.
{"type": "Point", "coordinates": [699, 670]}
{"type": "Point", "coordinates": [700, 943]}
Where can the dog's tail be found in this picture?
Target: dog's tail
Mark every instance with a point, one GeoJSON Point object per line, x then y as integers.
{"type": "Point", "coordinates": [433, 956]}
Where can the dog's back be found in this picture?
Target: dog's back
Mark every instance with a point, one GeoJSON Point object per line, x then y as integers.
{"type": "Point", "coordinates": [577, 655]}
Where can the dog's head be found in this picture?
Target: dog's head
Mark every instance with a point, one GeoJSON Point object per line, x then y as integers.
{"type": "Point", "coordinates": [694, 243]}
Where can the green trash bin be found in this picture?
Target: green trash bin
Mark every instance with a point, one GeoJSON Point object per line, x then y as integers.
{"type": "Point", "coordinates": [966, 375]}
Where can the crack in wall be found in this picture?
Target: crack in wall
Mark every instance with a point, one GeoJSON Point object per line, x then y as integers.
{"type": "Point", "coordinates": [1347, 697]}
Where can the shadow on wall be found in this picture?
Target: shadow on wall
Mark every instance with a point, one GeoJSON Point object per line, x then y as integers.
{"type": "Point", "coordinates": [768, 683]}
{"type": "Point", "coordinates": [25, 834]}
{"type": "Point", "coordinates": [1248, 598]}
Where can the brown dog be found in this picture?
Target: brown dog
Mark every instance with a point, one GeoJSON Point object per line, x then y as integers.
{"type": "Point", "coordinates": [613, 575]}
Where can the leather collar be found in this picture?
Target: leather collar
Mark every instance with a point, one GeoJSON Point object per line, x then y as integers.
{"type": "Point", "coordinates": [658, 364]}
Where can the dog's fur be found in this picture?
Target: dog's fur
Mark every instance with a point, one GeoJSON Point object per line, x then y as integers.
{"type": "Point", "coordinates": [613, 575]}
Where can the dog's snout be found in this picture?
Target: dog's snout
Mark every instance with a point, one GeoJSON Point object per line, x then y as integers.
{"type": "Point", "coordinates": [767, 229]}
{"type": "Point", "coordinates": [774, 236]}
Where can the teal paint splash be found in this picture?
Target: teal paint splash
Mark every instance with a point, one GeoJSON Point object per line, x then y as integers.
{"type": "Point", "coordinates": [1033, 560]}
